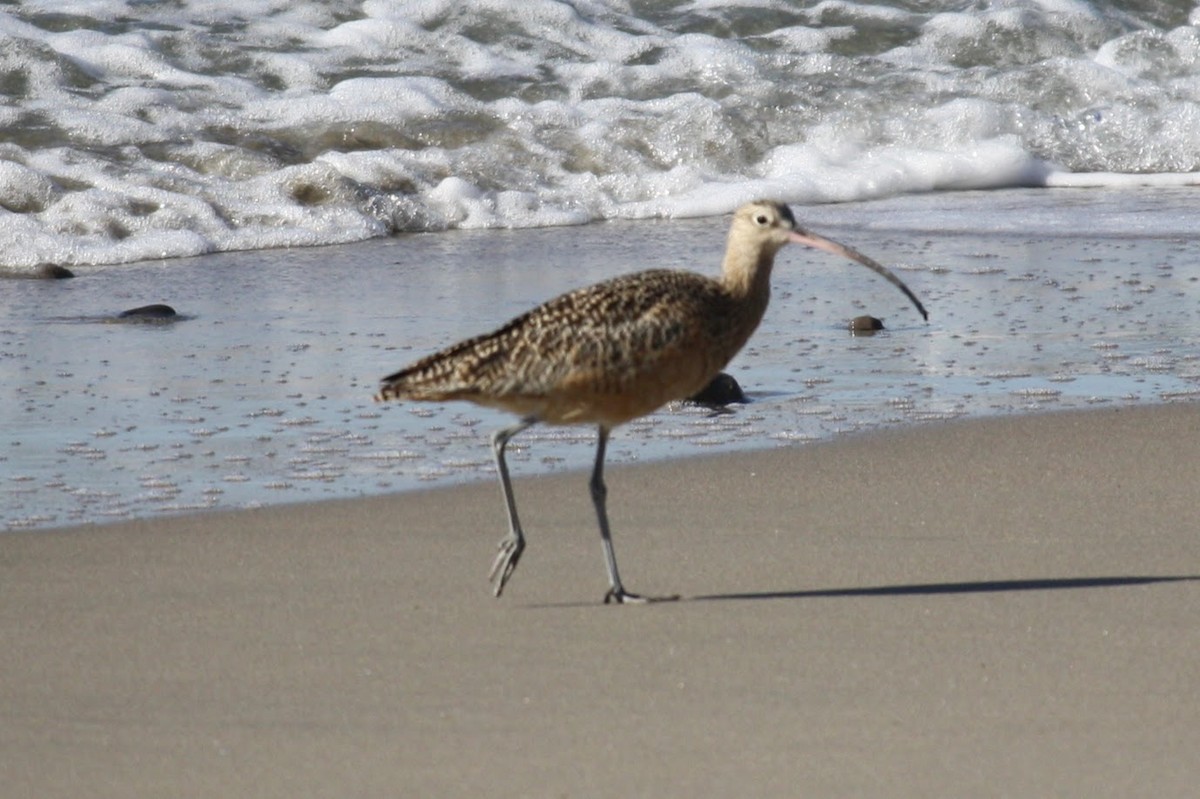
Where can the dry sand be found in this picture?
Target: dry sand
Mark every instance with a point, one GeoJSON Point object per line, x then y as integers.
{"type": "Point", "coordinates": [1004, 607]}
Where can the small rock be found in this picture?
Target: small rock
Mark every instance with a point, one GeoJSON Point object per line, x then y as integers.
{"type": "Point", "coordinates": [865, 325]}
{"type": "Point", "coordinates": [722, 390]}
{"type": "Point", "coordinates": [53, 272]}
{"type": "Point", "coordinates": [157, 311]}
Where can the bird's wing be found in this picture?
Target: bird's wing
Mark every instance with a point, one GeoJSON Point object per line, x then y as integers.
{"type": "Point", "coordinates": [599, 338]}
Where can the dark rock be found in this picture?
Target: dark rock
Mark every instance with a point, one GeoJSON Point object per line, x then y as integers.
{"type": "Point", "coordinates": [722, 390]}
{"type": "Point", "coordinates": [53, 272]}
{"type": "Point", "coordinates": [39, 272]}
{"type": "Point", "coordinates": [157, 311]}
{"type": "Point", "coordinates": [865, 325]}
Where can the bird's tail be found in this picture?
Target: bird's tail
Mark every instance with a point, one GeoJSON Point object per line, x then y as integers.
{"type": "Point", "coordinates": [395, 386]}
{"type": "Point", "coordinates": [388, 392]}
{"type": "Point", "coordinates": [423, 380]}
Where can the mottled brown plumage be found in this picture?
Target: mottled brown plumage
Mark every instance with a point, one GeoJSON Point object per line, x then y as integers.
{"type": "Point", "coordinates": [614, 351]}
{"type": "Point", "coordinates": [604, 354]}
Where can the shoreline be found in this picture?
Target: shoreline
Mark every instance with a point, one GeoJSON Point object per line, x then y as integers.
{"type": "Point", "coordinates": [260, 390]}
{"type": "Point", "coordinates": [531, 471]}
{"type": "Point", "coordinates": [956, 609]}
{"type": "Point", "coordinates": [527, 468]}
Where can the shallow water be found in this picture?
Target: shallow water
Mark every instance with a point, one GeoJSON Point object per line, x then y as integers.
{"type": "Point", "coordinates": [262, 392]}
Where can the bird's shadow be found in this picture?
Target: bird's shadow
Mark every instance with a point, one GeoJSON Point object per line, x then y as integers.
{"type": "Point", "coordinates": [923, 589]}
{"type": "Point", "coordinates": [956, 588]}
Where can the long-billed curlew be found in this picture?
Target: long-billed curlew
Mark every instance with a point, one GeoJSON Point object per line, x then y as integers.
{"type": "Point", "coordinates": [614, 351]}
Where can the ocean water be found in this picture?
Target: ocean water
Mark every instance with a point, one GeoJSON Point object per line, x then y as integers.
{"type": "Point", "coordinates": [327, 191]}
{"type": "Point", "coordinates": [148, 130]}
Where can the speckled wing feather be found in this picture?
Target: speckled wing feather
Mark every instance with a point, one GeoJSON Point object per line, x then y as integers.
{"type": "Point", "coordinates": [582, 348]}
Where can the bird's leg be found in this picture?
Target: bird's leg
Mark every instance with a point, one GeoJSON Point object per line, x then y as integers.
{"type": "Point", "coordinates": [616, 592]}
{"type": "Point", "coordinates": [513, 544]}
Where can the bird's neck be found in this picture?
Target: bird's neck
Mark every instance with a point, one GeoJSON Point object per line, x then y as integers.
{"type": "Point", "coordinates": [746, 276]}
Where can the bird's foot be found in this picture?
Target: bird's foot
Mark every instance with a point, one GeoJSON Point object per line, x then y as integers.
{"type": "Point", "coordinates": [510, 549]}
{"type": "Point", "coordinates": [619, 596]}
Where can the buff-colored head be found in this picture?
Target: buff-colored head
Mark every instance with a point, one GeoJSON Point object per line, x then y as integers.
{"type": "Point", "coordinates": [764, 224]}
{"type": "Point", "coordinates": [761, 228]}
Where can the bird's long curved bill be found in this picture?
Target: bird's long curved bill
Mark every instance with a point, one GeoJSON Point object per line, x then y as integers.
{"type": "Point", "coordinates": [829, 245]}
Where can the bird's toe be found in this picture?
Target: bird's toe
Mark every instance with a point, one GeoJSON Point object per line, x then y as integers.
{"type": "Point", "coordinates": [619, 596]}
{"type": "Point", "coordinates": [510, 549]}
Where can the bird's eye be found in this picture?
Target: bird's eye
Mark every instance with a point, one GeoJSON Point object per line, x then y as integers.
{"type": "Point", "coordinates": [761, 219]}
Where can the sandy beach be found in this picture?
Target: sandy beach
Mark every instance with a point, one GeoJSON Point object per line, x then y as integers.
{"type": "Point", "coordinates": [1000, 607]}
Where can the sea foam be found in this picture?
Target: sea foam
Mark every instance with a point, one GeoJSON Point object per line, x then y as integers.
{"type": "Point", "coordinates": [163, 130]}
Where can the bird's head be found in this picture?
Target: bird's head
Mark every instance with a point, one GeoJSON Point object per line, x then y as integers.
{"type": "Point", "coordinates": [767, 226]}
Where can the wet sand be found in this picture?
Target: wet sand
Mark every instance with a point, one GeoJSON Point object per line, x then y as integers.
{"type": "Point", "coordinates": [1000, 607]}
